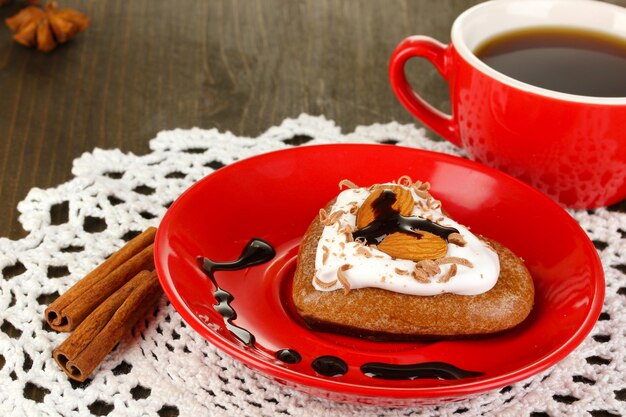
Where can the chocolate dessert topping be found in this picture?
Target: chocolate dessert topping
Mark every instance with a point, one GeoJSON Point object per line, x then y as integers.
{"type": "Point", "coordinates": [329, 366]}
{"type": "Point", "coordinates": [426, 370]}
{"type": "Point", "coordinates": [256, 252]}
{"type": "Point", "coordinates": [288, 356]}
{"type": "Point", "coordinates": [387, 221]}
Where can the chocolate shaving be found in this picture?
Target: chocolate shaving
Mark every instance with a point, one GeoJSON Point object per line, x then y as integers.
{"type": "Point", "coordinates": [420, 276]}
{"type": "Point", "coordinates": [422, 193]}
{"type": "Point", "coordinates": [354, 207]}
{"type": "Point", "coordinates": [401, 271]}
{"type": "Point", "coordinates": [433, 204]}
{"type": "Point", "coordinates": [429, 267]}
{"type": "Point", "coordinates": [421, 189]}
{"type": "Point", "coordinates": [328, 220]}
{"type": "Point", "coordinates": [405, 180]}
{"type": "Point", "coordinates": [347, 183]}
{"type": "Point", "coordinates": [323, 284]}
{"type": "Point", "coordinates": [362, 250]}
{"type": "Point", "coordinates": [456, 239]}
{"type": "Point", "coordinates": [454, 260]}
{"type": "Point", "coordinates": [325, 255]}
{"type": "Point", "coordinates": [448, 275]}
{"type": "Point", "coordinates": [334, 217]}
{"type": "Point", "coordinates": [343, 280]}
{"type": "Point", "coordinates": [347, 230]}
{"type": "Point", "coordinates": [323, 216]}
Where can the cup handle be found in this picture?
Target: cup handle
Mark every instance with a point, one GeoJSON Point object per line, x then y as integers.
{"type": "Point", "coordinates": [434, 51]}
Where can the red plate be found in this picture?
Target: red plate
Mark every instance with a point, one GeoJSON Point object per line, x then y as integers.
{"type": "Point", "coordinates": [276, 195]}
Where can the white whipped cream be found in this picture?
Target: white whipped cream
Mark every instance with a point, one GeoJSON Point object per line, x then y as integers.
{"type": "Point", "coordinates": [379, 270]}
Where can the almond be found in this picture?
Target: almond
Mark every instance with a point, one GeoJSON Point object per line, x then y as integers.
{"type": "Point", "coordinates": [403, 204]}
{"type": "Point", "coordinates": [405, 246]}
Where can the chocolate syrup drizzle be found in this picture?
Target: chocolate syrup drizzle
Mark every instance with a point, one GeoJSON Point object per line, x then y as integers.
{"type": "Point", "coordinates": [387, 221]}
{"type": "Point", "coordinates": [288, 356]}
{"type": "Point", "coordinates": [329, 366]}
{"type": "Point", "coordinates": [426, 370]}
{"type": "Point", "coordinates": [256, 252]}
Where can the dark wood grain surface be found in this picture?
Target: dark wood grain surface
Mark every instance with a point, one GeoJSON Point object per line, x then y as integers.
{"type": "Point", "coordinates": [243, 66]}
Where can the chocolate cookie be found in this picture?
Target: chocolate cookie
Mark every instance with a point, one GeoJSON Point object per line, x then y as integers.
{"type": "Point", "coordinates": [384, 315]}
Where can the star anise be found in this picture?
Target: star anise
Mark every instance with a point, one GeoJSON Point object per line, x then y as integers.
{"type": "Point", "coordinates": [46, 28]}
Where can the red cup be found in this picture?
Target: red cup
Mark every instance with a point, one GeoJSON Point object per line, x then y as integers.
{"type": "Point", "coordinates": [571, 147]}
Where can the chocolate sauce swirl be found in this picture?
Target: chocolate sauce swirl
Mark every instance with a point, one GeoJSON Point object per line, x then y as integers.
{"type": "Point", "coordinates": [426, 370]}
{"type": "Point", "coordinates": [288, 356]}
{"type": "Point", "coordinates": [387, 221]}
{"type": "Point", "coordinates": [256, 252]}
{"type": "Point", "coordinates": [329, 366]}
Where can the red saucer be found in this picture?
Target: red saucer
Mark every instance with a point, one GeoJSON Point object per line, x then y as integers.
{"type": "Point", "coordinates": [276, 195]}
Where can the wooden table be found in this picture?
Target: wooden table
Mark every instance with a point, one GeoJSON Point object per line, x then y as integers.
{"type": "Point", "coordinates": [242, 66]}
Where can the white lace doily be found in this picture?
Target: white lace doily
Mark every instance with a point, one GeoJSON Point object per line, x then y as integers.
{"type": "Point", "coordinates": [166, 368]}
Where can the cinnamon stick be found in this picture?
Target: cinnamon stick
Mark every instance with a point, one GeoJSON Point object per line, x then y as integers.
{"type": "Point", "coordinates": [95, 322]}
{"type": "Point", "coordinates": [96, 336]}
{"type": "Point", "coordinates": [71, 308]}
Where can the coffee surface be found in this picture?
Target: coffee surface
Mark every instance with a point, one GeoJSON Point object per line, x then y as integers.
{"type": "Point", "coordinates": [573, 61]}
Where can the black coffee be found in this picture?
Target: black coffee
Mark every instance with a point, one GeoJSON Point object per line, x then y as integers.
{"type": "Point", "coordinates": [571, 61]}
